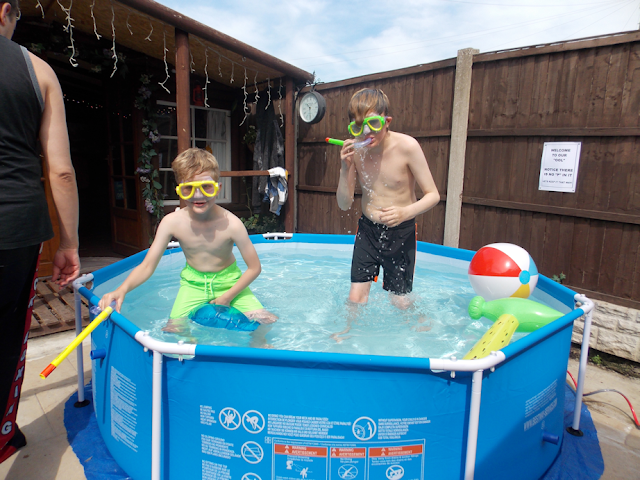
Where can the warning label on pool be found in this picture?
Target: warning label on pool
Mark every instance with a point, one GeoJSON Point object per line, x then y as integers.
{"type": "Point", "coordinates": [293, 459]}
{"type": "Point", "coordinates": [124, 409]}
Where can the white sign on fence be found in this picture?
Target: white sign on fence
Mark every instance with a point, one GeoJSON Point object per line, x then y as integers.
{"type": "Point", "coordinates": [559, 167]}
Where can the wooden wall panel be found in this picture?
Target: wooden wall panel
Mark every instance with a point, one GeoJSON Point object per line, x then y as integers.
{"type": "Point", "coordinates": [519, 101]}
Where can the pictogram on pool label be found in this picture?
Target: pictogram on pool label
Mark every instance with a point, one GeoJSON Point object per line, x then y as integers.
{"type": "Point", "coordinates": [253, 421]}
{"type": "Point", "coordinates": [229, 418]}
{"type": "Point", "coordinates": [251, 476]}
{"type": "Point", "coordinates": [395, 472]}
{"type": "Point", "coordinates": [348, 472]}
{"type": "Point", "coordinates": [348, 463]}
{"type": "Point", "coordinates": [364, 428]}
{"type": "Point", "coordinates": [294, 462]}
{"type": "Point", "coordinates": [252, 452]}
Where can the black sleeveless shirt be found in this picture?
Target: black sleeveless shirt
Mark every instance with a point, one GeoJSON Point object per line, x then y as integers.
{"type": "Point", "coordinates": [24, 215]}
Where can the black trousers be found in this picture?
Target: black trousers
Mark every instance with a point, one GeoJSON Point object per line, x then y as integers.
{"type": "Point", "coordinates": [18, 269]}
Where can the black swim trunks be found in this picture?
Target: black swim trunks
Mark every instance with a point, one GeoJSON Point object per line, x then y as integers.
{"type": "Point", "coordinates": [392, 248]}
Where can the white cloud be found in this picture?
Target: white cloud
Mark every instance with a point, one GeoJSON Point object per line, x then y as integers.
{"type": "Point", "coordinates": [341, 39]}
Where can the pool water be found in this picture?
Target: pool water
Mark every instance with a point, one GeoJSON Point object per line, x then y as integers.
{"type": "Point", "coordinates": [307, 287]}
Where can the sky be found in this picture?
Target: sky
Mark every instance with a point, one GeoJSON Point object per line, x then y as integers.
{"type": "Point", "coordinates": [341, 39]}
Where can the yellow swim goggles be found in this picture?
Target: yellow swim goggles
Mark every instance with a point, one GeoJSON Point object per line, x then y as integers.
{"type": "Point", "coordinates": [208, 188]}
{"type": "Point", "coordinates": [375, 123]}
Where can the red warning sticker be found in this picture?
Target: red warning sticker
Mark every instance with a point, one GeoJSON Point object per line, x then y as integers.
{"type": "Point", "coordinates": [395, 451]}
{"type": "Point", "coordinates": [299, 450]}
{"type": "Point", "coordinates": [348, 452]}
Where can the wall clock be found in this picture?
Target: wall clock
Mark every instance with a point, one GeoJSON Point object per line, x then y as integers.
{"type": "Point", "coordinates": [312, 107]}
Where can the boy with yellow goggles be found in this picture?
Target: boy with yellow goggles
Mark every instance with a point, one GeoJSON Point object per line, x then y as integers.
{"type": "Point", "coordinates": [208, 188]}
{"type": "Point", "coordinates": [375, 123]}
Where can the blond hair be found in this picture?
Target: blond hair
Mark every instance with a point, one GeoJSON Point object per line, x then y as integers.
{"type": "Point", "coordinates": [367, 100]}
{"type": "Point", "coordinates": [195, 161]}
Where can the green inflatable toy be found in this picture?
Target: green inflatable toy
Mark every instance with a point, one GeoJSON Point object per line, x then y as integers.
{"type": "Point", "coordinates": [530, 315]}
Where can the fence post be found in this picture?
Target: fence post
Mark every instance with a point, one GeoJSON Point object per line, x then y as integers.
{"type": "Point", "coordinates": [458, 147]}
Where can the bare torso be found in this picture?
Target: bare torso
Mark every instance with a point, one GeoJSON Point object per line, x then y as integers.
{"type": "Point", "coordinates": [385, 178]}
{"type": "Point", "coordinates": [207, 243]}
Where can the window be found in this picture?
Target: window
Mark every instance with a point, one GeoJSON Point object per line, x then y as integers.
{"type": "Point", "coordinates": [210, 129]}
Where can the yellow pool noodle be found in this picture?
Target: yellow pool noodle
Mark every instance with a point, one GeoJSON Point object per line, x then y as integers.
{"type": "Point", "coordinates": [497, 337]}
{"type": "Point", "coordinates": [77, 341]}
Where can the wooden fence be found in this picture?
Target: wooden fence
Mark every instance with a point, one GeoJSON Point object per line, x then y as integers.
{"type": "Point", "coordinates": [584, 91]}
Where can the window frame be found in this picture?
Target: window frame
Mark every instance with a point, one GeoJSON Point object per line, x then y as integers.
{"type": "Point", "coordinates": [225, 195]}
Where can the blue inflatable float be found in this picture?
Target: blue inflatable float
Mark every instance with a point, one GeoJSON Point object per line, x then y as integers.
{"type": "Point", "coordinates": [221, 316]}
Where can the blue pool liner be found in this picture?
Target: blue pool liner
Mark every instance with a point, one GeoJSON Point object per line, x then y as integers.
{"type": "Point", "coordinates": [579, 457]}
{"type": "Point", "coordinates": [514, 353]}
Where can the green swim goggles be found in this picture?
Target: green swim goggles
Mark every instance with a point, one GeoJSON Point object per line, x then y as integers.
{"type": "Point", "coordinates": [375, 123]}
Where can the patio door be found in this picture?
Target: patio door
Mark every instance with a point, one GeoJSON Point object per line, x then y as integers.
{"type": "Point", "coordinates": [126, 226]}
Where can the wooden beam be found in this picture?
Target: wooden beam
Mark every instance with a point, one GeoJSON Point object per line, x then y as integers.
{"type": "Point", "coordinates": [290, 154]}
{"type": "Point", "coordinates": [515, 132]}
{"type": "Point", "coordinates": [451, 62]}
{"type": "Point", "coordinates": [576, 44]}
{"type": "Point", "coordinates": [183, 90]}
{"type": "Point", "coordinates": [554, 210]}
{"type": "Point", "coordinates": [458, 146]}
{"type": "Point", "coordinates": [422, 134]}
{"type": "Point", "coordinates": [557, 132]}
{"type": "Point", "coordinates": [186, 24]}
{"type": "Point", "coordinates": [358, 191]}
{"type": "Point", "coordinates": [245, 173]}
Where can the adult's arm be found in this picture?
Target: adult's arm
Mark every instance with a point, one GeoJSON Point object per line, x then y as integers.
{"type": "Point", "coordinates": [62, 178]}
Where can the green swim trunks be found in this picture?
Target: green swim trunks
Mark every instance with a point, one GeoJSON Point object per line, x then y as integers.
{"type": "Point", "coordinates": [197, 288]}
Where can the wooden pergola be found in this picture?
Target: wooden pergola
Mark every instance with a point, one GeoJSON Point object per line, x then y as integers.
{"type": "Point", "coordinates": [162, 33]}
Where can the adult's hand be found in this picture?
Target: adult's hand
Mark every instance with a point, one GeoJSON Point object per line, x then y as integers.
{"type": "Point", "coordinates": [66, 266]}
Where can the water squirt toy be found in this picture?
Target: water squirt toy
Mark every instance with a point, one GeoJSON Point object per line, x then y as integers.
{"type": "Point", "coordinates": [221, 316]}
{"type": "Point", "coordinates": [531, 315]}
{"type": "Point", "coordinates": [335, 141]}
{"type": "Point", "coordinates": [496, 338]}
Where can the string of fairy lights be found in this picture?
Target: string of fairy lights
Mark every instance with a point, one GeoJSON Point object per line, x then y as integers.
{"type": "Point", "coordinates": [68, 27]}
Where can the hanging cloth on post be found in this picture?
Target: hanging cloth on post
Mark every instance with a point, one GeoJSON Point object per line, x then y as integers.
{"type": "Point", "coordinates": [269, 147]}
{"type": "Point", "coordinates": [276, 189]}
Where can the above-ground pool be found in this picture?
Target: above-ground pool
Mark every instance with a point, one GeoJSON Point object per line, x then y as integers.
{"type": "Point", "coordinates": [227, 411]}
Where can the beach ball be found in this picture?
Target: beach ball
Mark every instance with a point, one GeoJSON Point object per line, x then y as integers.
{"type": "Point", "coordinates": [502, 270]}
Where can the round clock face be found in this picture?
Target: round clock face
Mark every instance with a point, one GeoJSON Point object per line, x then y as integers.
{"type": "Point", "coordinates": [312, 107]}
{"type": "Point", "coordinates": [308, 108]}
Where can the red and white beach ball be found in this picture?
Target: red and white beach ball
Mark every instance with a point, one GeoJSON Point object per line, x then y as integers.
{"type": "Point", "coordinates": [503, 270]}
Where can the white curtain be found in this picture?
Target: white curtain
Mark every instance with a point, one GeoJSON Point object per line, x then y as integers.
{"type": "Point", "coordinates": [217, 140]}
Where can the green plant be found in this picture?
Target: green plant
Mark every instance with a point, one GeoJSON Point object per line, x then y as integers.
{"type": "Point", "coordinates": [249, 138]}
{"type": "Point", "coordinates": [148, 173]}
{"type": "Point", "coordinates": [559, 278]}
{"type": "Point", "coordinates": [262, 223]}
{"type": "Point", "coordinates": [596, 359]}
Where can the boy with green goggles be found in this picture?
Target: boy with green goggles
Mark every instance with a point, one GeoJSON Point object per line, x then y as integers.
{"type": "Point", "coordinates": [388, 169]}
